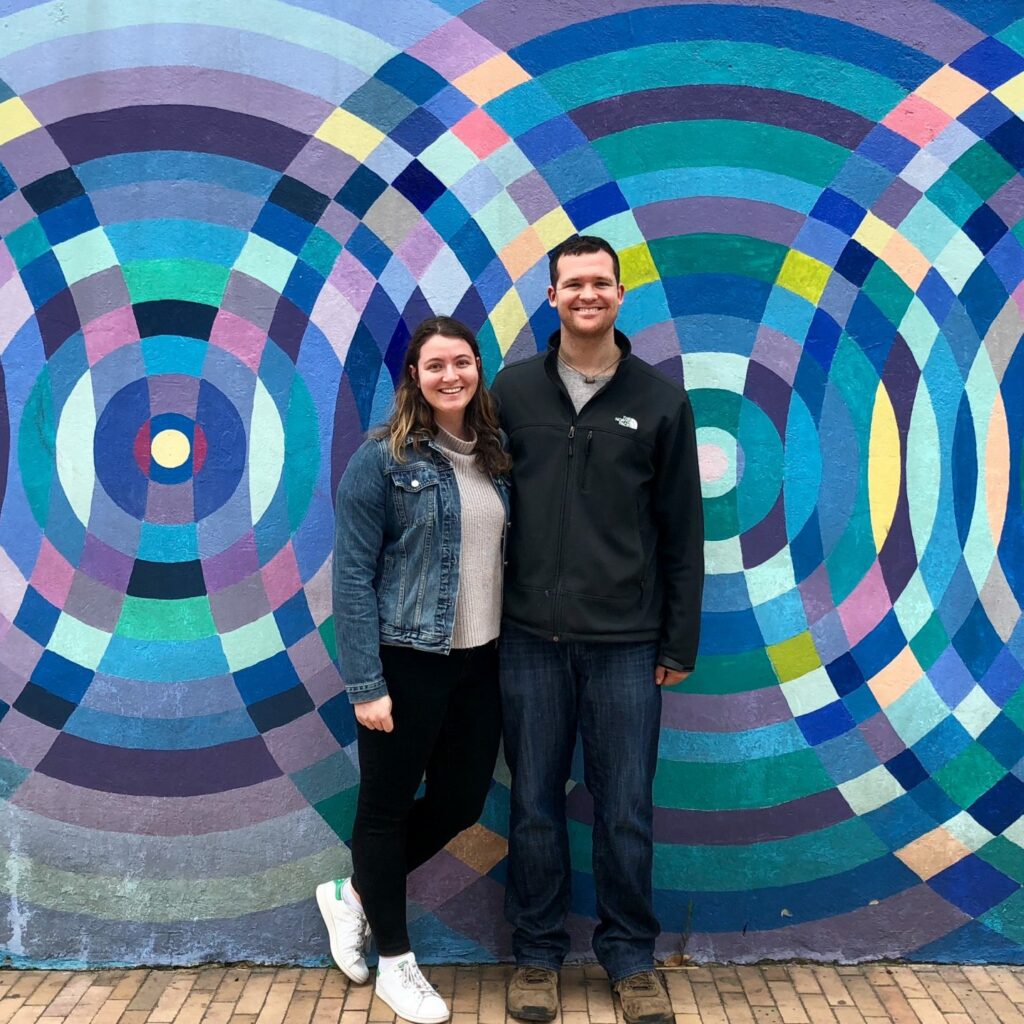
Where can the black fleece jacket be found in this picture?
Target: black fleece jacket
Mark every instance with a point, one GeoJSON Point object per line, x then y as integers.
{"type": "Point", "coordinates": [607, 535]}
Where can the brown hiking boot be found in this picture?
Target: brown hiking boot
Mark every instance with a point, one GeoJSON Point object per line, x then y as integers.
{"type": "Point", "coordinates": [533, 994]}
{"type": "Point", "coordinates": [644, 999]}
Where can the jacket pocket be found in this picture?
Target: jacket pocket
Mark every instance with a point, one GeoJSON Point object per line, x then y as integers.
{"type": "Point", "coordinates": [414, 492]}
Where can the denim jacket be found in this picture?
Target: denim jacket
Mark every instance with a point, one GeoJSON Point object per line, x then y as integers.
{"type": "Point", "coordinates": [396, 558]}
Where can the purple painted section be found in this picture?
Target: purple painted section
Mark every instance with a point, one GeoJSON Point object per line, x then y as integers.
{"type": "Point", "coordinates": [713, 102]}
{"type": "Point", "coordinates": [159, 773]}
{"type": "Point", "coordinates": [193, 129]}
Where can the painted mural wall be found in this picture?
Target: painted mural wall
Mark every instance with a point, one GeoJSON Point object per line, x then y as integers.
{"type": "Point", "coordinates": [218, 222]}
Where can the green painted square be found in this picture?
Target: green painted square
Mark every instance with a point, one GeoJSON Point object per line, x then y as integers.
{"type": "Point", "coordinates": [326, 630]}
{"type": "Point", "coordinates": [983, 169]}
{"type": "Point", "coordinates": [320, 251]}
{"type": "Point", "coordinates": [1004, 856]}
{"type": "Point", "coordinates": [501, 221]}
{"type": "Point", "coordinates": [928, 228]}
{"type": "Point", "coordinates": [731, 673]}
{"type": "Point", "coordinates": [192, 280]}
{"type": "Point", "coordinates": [27, 243]}
{"type": "Point", "coordinates": [78, 641]}
{"type": "Point", "coordinates": [266, 262]}
{"type": "Point", "coordinates": [84, 255]}
{"type": "Point", "coordinates": [339, 811]}
{"type": "Point", "coordinates": [252, 643]}
{"type": "Point", "coordinates": [958, 261]}
{"type": "Point", "coordinates": [954, 197]}
{"type": "Point", "coordinates": [1007, 917]}
{"type": "Point", "coordinates": [1014, 708]}
{"type": "Point", "coordinates": [888, 292]}
{"type": "Point", "coordinates": [756, 782]}
{"type": "Point", "coordinates": [11, 777]}
{"type": "Point", "coordinates": [324, 779]}
{"type": "Point", "coordinates": [144, 618]}
{"type": "Point", "coordinates": [794, 657]}
{"type": "Point", "coordinates": [930, 642]}
{"type": "Point", "coordinates": [718, 254]}
{"type": "Point", "coordinates": [448, 158]}
{"type": "Point", "coordinates": [507, 163]}
{"type": "Point", "coordinates": [970, 774]}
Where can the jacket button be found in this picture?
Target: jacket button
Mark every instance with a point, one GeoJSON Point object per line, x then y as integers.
{"type": "Point", "coordinates": [415, 483]}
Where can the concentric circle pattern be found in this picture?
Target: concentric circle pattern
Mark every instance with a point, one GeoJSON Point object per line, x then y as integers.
{"type": "Point", "coordinates": [219, 223]}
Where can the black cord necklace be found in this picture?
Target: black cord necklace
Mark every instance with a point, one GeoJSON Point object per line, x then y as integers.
{"type": "Point", "coordinates": [588, 378]}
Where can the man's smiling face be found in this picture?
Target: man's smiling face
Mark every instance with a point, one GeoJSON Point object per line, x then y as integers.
{"type": "Point", "coordinates": [586, 295]}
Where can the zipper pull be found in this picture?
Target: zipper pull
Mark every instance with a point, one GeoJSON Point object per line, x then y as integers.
{"type": "Point", "coordinates": [572, 434]}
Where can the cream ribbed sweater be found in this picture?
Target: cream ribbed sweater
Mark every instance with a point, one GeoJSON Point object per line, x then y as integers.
{"type": "Point", "coordinates": [478, 603]}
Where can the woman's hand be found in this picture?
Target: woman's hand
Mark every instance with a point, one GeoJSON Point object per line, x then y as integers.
{"type": "Point", "coordinates": [375, 714]}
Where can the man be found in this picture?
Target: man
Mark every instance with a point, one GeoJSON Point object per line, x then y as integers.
{"type": "Point", "coordinates": [602, 608]}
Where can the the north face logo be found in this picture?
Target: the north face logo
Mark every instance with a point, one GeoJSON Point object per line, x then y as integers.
{"type": "Point", "coordinates": [627, 421]}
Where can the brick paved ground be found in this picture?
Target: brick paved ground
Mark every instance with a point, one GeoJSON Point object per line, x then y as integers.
{"type": "Point", "coordinates": [773, 994]}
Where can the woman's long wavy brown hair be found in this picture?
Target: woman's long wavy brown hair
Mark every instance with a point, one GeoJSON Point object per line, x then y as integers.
{"type": "Point", "coordinates": [413, 417]}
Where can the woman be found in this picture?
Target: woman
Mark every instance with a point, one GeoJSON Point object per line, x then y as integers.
{"type": "Point", "coordinates": [422, 511]}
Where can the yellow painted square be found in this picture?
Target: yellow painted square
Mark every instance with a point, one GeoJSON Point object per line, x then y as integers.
{"type": "Point", "coordinates": [906, 260]}
{"type": "Point", "coordinates": [15, 119]}
{"type": "Point", "coordinates": [1011, 93]}
{"type": "Point", "coordinates": [794, 657]}
{"type": "Point", "coordinates": [490, 79]}
{"type": "Point", "coordinates": [804, 275]}
{"type": "Point", "coordinates": [478, 847]}
{"type": "Point", "coordinates": [636, 266]}
{"type": "Point", "coordinates": [873, 233]}
{"type": "Point", "coordinates": [508, 318]}
{"type": "Point", "coordinates": [933, 852]}
{"type": "Point", "coordinates": [351, 134]}
{"type": "Point", "coordinates": [553, 227]}
{"type": "Point", "coordinates": [951, 91]}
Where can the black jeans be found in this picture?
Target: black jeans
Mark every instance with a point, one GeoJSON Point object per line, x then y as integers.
{"type": "Point", "coordinates": [447, 724]}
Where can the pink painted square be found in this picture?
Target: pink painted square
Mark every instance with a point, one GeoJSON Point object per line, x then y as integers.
{"type": "Point", "coordinates": [242, 339]}
{"type": "Point", "coordinates": [480, 133]}
{"type": "Point", "coordinates": [281, 577]}
{"type": "Point", "coordinates": [866, 606]}
{"type": "Point", "coordinates": [419, 248]}
{"type": "Point", "coordinates": [300, 743]}
{"type": "Point", "coordinates": [53, 574]}
{"type": "Point", "coordinates": [352, 279]}
{"type": "Point", "coordinates": [110, 332]}
{"type": "Point", "coordinates": [917, 119]}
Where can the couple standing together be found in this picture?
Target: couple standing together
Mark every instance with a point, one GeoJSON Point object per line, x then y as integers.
{"type": "Point", "coordinates": [594, 584]}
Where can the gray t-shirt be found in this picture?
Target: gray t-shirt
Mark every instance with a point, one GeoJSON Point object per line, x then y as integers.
{"type": "Point", "coordinates": [580, 388]}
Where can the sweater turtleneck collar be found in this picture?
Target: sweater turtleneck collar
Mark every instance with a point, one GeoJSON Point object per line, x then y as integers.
{"type": "Point", "coordinates": [455, 444]}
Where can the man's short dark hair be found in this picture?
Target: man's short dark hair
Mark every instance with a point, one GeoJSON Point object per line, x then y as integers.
{"type": "Point", "coordinates": [581, 245]}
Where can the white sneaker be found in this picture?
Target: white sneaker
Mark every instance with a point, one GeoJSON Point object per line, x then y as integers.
{"type": "Point", "coordinates": [409, 994]}
{"type": "Point", "coordinates": [348, 929]}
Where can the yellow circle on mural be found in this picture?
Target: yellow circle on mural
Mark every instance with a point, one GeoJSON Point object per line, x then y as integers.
{"type": "Point", "coordinates": [170, 448]}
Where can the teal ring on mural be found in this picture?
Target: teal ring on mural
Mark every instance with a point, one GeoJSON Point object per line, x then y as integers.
{"type": "Point", "coordinates": [731, 513]}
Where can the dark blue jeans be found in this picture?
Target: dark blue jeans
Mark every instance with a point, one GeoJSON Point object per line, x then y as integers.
{"type": "Point", "coordinates": [608, 692]}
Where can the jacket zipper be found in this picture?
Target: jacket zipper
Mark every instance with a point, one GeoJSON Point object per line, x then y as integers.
{"type": "Point", "coordinates": [586, 462]}
{"type": "Point", "coordinates": [561, 530]}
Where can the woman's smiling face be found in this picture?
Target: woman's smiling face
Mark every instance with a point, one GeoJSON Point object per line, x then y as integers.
{"type": "Point", "coordinates": [448, 374]}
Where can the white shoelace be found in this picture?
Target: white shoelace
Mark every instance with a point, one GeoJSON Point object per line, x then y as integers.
{"type": "Point", "coordinates": [413, 978]}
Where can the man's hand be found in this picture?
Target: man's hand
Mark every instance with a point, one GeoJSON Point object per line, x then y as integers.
{"type": "Point", "coordinates": [668, 676]}
{"type": "Point", "coordinates": [375, 714]}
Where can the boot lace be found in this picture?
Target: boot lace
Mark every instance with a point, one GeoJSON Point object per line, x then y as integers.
{"type": "Point", "coordinates": [646, 981]}
{"type": "Point", "coordinates": [534, 976]}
